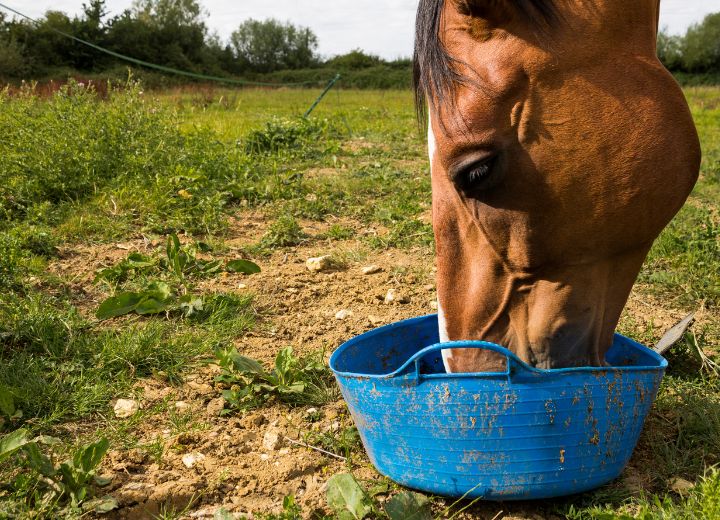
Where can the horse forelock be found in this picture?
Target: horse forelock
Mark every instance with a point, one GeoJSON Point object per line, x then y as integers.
{"type": "Point", "coordinates": [435, 72]}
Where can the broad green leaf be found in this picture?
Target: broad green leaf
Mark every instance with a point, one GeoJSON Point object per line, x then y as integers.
{"type": "Point", "coordinates": [345, 496]}
{"type": "Point", "coordinates": [295, 388]}
{"type": "Point", "coordinates": [92, 454]}
{"type": "Point", "coordinates": [242, 266]}
{"type": "Point", "coordinates": [12, 442]}
{"type": "Point", "coordinates": [159, 290]}
{"type": "Point", "coordinates": [47, 440]}
{"type": "Point", "coordinates": [284, 361]}
{"type": "Point", "coordinates": [173, 246]}
{"type": "Point", "coordinates": [7, 402]}
{"type": "Point", "coordinates": [38, 460]}
{"type": "Point", "coordinates": [139, 260]}
{"type": "Point", "coordinates": [408, 506]}
{"type": "Point", "coordinates": [245, 365]}
{"type": "Point", "coordinates": [378, 488]}
{"type": "Point", "coordinates": [69, 478]}
{"type": "Point", "coordinates": [101, 505]}
{"type": "Point", "coordinates": [203, 247]}
{"type": "Point", "coordinates": [208, 267]}
{"type": "Point", "coordinates": [101, 481]}
{"type": "Point", "coordinates": [118, 305]}
{"type": "Point", "coordinates": [150, 305]}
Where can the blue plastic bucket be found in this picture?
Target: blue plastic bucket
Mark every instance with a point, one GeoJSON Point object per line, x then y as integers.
{"type": "Point", "coordinates": [524, 433]}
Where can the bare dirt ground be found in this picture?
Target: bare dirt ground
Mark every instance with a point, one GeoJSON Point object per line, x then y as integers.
{"type": "Point", "coordinates": [190, 460]}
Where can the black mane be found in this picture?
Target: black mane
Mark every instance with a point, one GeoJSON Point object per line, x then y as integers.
{"type": "Point", "coordinates": [434, 74]}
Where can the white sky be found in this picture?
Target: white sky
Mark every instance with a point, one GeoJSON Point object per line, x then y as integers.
{"type": "Point", "coordinates": [343, 25]}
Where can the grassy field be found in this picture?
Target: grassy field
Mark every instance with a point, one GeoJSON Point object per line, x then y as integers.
{"type": "Point", "coordinates": [92, 194]}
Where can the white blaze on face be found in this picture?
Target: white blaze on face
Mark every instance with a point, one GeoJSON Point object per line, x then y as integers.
{"type": "Point", "coordinates": [442, 326]}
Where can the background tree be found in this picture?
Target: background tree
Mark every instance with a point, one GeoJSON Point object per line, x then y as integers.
{"type": "Point", "coordinates": [669, 50]}
{"type": "Point", "coordinates": [701, 45]}
{"type": "Point", "coordinates": [355, 60]}
{"type": "Point", "coordinates": [167, 32]}
{"type": "Point", "coordinates": [89, 27]}
{"type": "Point", "coordinates": [269, 45]}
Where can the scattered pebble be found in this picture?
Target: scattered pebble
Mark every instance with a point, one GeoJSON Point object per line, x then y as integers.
{"type": "Point", "coordinates": [251, 421]}
{"type": "Point", "coordinates": [201, 388]}
{"type": "Point", "coordinates": [242, 286]}
{"type": "Point", "coordinates": [434, 305]}
{"type": "Point", "coordinates": [375, 320]}
{"type": "Point", "coordinates": [343, 314]}
{"type": "Point", "coordinates": [272, 439]}
{"type": "Point", "coordinates": [181, 406]}
{"type": "Point", "coordinates": [317, 264]}
{"type": "Point", "coordinates": [264, 456]}
{"type": "Point", "coordinates": [391, 296]}
{"type": "Point", "coordinates": [126, 408]}
{"type": "Point", "coordinates": [371, 269]}
{"type": "Point", "coordinates": [207, 512]}
{"type": "Point", "coordinates": [190, 459]}
{"type": "Point", "coordinates": [215, 407]}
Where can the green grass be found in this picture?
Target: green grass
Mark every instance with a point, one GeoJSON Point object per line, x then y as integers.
{"type": "Point", "coordinates": [75, 170]}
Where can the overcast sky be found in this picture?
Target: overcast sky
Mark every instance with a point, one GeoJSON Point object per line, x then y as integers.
{"type": "Point", "coordinates": [384, 28]}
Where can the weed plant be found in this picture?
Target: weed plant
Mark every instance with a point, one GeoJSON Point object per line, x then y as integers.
{"type": "Point", "coordinates": [297, 381]}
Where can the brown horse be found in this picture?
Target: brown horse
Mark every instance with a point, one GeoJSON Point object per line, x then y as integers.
{"type": "Point", "coordinates": [560, 147]}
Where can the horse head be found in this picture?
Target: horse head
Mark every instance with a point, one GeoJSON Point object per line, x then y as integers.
{"type": "Point", "coordinates": [560, 147]}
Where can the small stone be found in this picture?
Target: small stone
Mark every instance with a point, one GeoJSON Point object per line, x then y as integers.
{"type": "Point", "coordinates": [248, 436]}
{"type": "Point", "coordinates": [207, 512]}
{"type": "Point", "coordinates": [136, 455]}
{"type": "Point", "coordinates": [215, 407]}
{"type": "Point", "coordinates": [250, 421]}
{"type": "Point", "coordinates": [390, 296]}
{"type": "Point", "coordinates": [126, 408]}
{"type": "Point", "coordinates": [681, 486]}
{"type": "Point", "coordinates": [374, 320]}
{"type": "Point", "coordinates": [371, 269]}
{"type": "Point", "coordinates": [190, 459]}
{"type": "Point", "coordinates": [317, 264]}
{"type": "Point", "coordinates": [311, 411]}
{"type": "Point", "coordinates": [343, 314]}
{"type": "Point", "coordinates": [272, 439]}
{"type": "Point", "coordinates": [429, 287]}
{"type": "Point", "coordinates": [201, 388]}
{"type": "Point", "coordinates": [242, 286]}
{"type": "Point", "coordinates": [434, 305]}
{"type": "Point", "coordinates": [181, 406]}
{"type": "Point", "coordinates": [264, 456]}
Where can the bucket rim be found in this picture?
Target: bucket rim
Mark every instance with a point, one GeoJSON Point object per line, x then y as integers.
{"type": "Point", "coordinates": [403, 369]}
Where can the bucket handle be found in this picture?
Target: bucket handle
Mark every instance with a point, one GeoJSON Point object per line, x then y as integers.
{"type": "Point", "coordinates": [514, 365]}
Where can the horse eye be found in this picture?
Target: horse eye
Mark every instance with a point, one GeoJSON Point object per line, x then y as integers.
{"type": "Point", "coordinates": [479, 175]}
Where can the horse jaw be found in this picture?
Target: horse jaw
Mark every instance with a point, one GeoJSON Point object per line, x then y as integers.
{"type": "Point", "coordinates": [442, 325]}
